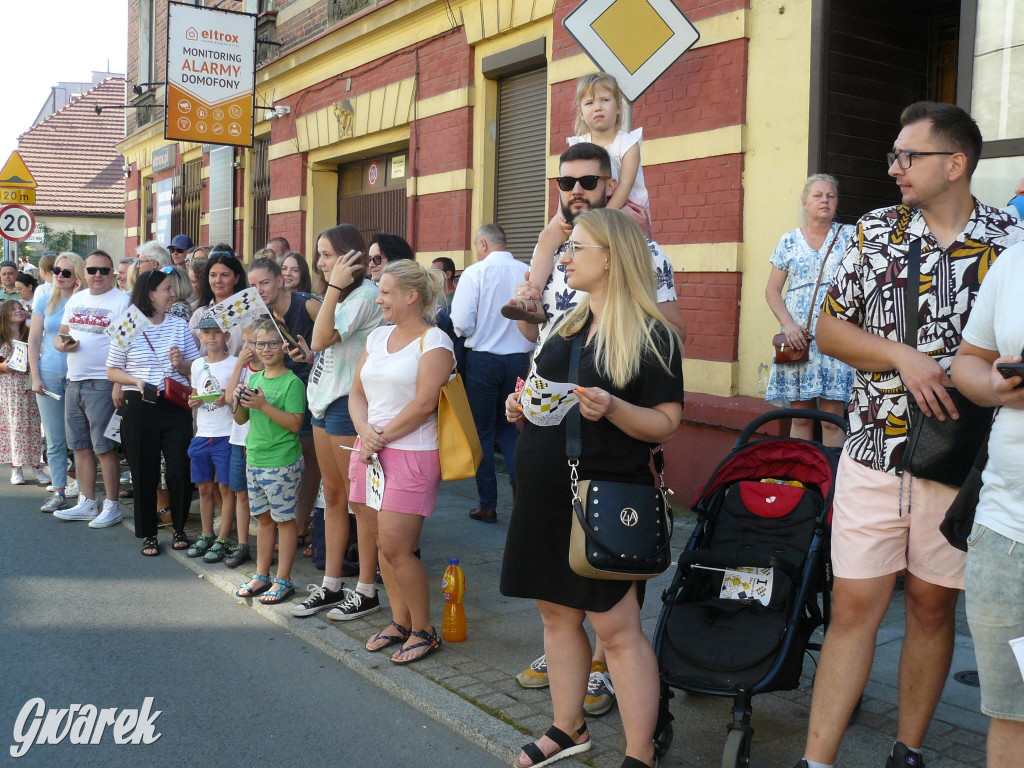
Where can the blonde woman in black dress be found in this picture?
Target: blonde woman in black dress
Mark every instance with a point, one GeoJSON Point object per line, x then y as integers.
{"type": "Point", "coordinates": [630, 389]}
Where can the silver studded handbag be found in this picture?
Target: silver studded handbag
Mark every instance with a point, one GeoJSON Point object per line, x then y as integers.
{"type": "Point", "coordinates": [620, 531]}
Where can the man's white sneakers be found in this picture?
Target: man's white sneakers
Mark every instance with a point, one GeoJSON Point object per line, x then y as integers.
{"type": "Point", "coordinates": [111, 515]}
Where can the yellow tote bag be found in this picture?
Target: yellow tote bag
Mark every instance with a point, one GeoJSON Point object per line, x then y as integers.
{"type": "Point", "coordinates": [457, 441]}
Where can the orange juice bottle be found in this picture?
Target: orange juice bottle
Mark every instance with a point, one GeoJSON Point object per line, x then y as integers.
{"type": "Point", "coordinates": [453, 627]}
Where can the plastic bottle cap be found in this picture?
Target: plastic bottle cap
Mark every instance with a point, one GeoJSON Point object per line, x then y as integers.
{"type": "Point", "coordinates": [453, 561]}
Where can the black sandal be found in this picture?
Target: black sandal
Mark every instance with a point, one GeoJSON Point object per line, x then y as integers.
{"type": "Point", "coordinates": [632, 762]}
{"type": "Point", "coordinates": [567, 747]}
{"type": "Point", "coordinates": [179, 541]}
{"type": "Point", "coordinates": [150, 547]}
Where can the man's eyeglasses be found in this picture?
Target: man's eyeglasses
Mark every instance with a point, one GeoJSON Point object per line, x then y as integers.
{"type": "Point", "coordinates": [98, 270]}
{"type": "Point", "coordinates": [574, 246]}
{"type": "Point", "coordinates": [267, 344]}
{"type": "Point", "coordinates": [568, 183]}
{"type": "Point", "coordinates": [906, 158]}
{"type": "Point", "coordinates": [65, 273]}
{"type": "Point", "coordinates": [172, 249]}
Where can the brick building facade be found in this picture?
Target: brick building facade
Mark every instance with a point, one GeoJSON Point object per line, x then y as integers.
{"type": "Point", "coordinates": [396, 114]}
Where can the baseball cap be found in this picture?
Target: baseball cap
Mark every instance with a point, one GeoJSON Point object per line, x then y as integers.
{"type": "Point", "coordinates": [208, 321]}
{"type": "Point", "coordinates": [184, 242]}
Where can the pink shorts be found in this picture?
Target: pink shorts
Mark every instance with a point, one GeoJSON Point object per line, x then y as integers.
{"type": "Point", "coordinates": [411, 480]}
{"type": "Point", "coordinates": [872, 537]}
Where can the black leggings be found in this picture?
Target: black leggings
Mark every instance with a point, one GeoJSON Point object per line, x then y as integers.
{"type": "Point", "coordinates": [147, 430]}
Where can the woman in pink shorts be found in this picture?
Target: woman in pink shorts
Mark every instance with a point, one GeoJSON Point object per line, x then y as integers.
{"type": "Point", "coordinates": [393, 406]}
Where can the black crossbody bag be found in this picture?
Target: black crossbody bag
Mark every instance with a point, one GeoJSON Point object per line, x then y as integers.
{"type": "Point", "coordinates": [943, 451]}
{"type": "Point", "coordinates": [620, 531]}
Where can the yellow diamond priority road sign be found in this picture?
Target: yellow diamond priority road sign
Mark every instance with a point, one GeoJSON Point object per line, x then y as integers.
{"type": "Point", "coordinates": [633, 40]}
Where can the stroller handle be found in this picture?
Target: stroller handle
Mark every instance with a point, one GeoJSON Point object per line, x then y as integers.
{"type": "Point", "coordinates": [786, 413]}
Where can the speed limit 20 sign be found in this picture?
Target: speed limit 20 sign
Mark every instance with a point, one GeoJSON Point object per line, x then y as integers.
{"type": "Point", "coordinates": [16, 222]}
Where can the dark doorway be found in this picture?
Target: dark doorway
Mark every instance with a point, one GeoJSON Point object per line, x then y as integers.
{"type": "Point", "coordinates": [877, 57]}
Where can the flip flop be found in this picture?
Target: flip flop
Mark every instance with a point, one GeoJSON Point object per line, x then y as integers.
{"type": "Point", "coordinates": [528, 311]}
{"type": "Point", "coordinates": [254, 592]}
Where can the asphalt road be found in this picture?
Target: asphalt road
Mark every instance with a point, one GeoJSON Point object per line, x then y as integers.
{"type": "Point", "coordinates": [85, 619]}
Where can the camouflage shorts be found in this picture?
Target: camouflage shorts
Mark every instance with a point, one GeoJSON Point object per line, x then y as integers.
{"type": "Point", "coordinates": [275, 489]}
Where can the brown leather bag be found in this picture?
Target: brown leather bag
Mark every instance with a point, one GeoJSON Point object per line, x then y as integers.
{"type": "Point", "coordinates": [784, 352]}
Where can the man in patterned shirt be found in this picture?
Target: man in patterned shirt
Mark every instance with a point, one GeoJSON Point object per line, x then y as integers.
{"type": "Point", "coordinates": [876, 534]}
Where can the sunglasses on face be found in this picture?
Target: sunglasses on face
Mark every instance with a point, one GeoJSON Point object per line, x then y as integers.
{"type": "Point", "coordinates": [176, 250]}
{"type": "Point", "coordinates": [376, 260]}
{"type": "Point", "coordinates": [65, 273]}
{"type": "Point", "coordinates": [568, 183]}
{"type": "Point", "coordinates": [98, 270]}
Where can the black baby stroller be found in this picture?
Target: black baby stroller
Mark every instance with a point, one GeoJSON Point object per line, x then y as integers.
{"type": "Point", "coordinates": [744, 601]}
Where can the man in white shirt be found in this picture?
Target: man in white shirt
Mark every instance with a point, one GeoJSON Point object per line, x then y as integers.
{"type": "Point", "coordinates": [88, 398]}
{"type": "Point", "coordinates": [496, 356]}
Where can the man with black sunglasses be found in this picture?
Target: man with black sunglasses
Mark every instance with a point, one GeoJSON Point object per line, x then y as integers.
{"type": "Point", "coordinates": [585, 182]}
{"type": "Point", "coordinates": [89, 395]}
{"type": "Point", "coordinates": [886, 521]}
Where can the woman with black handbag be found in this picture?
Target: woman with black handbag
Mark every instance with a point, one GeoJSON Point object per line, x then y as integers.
{"type": "Point", "coordinates": [630, 392]}
{"type": "Point", "coordinates": [153, 370]}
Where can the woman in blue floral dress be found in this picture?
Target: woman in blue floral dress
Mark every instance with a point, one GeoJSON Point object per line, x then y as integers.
{"type": "Point", "coordinates": [822, 382]}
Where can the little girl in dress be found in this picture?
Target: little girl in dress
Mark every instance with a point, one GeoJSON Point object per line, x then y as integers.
{"type": "Point", "coordinates": [21, 442]}
{"type": "Point", "coordinates": [598, 121]}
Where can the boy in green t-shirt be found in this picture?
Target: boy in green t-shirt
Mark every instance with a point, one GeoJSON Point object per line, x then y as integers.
{"type": "Point", "coordinates": [273, 402]}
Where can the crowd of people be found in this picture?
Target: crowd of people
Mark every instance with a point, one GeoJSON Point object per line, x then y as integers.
{"type": "Point", "coordinates": [337, 387]}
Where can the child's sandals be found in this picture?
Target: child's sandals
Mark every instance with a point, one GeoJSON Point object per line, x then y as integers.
{"type": "Point", "coordinates": [527, 310]}
{"type": "Point", "coordinates": [428, 641]}
{"type": "Point", "coordinates": [279, 595]}
{"type": "Point", "coordinates": [251, 592]}
{"type": "Point", "coordinates": [203, 543]}
{"type": "Point", "coordinates": [380, 641]}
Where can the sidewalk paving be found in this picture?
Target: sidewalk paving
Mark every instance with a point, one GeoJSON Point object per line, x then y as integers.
{"type": "Point", "coordinates": [471, 686]}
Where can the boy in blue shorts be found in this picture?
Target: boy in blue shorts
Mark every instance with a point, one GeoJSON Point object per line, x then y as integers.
{"type": "Point", "coordinates": [210, 450]}
{"type": "Point", "coordinates": [273, 403]}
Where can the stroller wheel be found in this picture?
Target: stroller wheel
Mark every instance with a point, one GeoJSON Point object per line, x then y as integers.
{"type": "Point", "coordinates": [663, 740]}
{"type": "Point", "coordinates": [737, 749]}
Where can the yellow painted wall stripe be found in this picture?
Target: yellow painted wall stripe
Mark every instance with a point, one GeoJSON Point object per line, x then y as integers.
{"type": "Point", "coordinates": [689, 146]}
{"type": "Point", "coordinates": [332, 153]}
{"type": "Point", "coordinates": [286, 204]}
{"type": "Point", "coordinates": [461, 258]}
{"type": "Point", "coordinates": [239, 213]}
{"type": "Point", "coordinates": [713, 30]}
{"type": "Point", "coordinates": [451, 181]}
{"type": "Point", "coordinates": [131, 232]}
{"type": "Point", "coordinates": [444, 102]}
{"type": "Point", "coordinates": [703, 257]}
{"type": "Point", "coordinates": [710, 377]}
{"type": "Point", "coordinates": [281, 149]}
{"type": "Point", "coordinates": [133, 195]}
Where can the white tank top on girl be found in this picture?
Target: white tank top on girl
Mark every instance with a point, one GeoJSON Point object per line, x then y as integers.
{"type": "Point", "coordinates": [389, 383]}
{"type": "Point", "coordinates": [623, 141]}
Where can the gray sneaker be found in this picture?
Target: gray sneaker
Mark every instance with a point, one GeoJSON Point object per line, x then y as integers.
{"type": "Point", "coordinates": [55, 502]}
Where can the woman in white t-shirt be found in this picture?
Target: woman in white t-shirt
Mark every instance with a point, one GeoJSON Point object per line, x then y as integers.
{"type": "Point", "coordinates": [393, 405]}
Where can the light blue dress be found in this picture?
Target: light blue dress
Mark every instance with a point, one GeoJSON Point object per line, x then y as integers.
{"type": "Point", "coordinates": [821, 376]}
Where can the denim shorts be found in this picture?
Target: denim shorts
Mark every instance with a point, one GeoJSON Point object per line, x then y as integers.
{"type": "Point", "coordinates": [211, 459]}
{"type": "Point", "coordinates": [995, 614]}
{"type": "Point", "coordinates": [275, 489]}
{"type": "Point", "coordinates": [236, 475]}
{"type": "Point", "coordinates": [336, 421]}
{"type": "Point", "coordinates": [88, 406]}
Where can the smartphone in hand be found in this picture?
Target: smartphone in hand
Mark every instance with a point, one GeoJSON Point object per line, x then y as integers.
{"type": "Point", "coordinates": [1009, 370]}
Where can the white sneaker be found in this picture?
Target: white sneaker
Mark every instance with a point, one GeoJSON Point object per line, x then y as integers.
{"type": "Point", "coordinates": [17, 476]}
{"type": "Point", "coordinates": [42, 474]}
{"type": "Point", "coordinates": [85, 509]}
{"type": "Point", "coordinates": [72, 489]}
{"type": "Point", "coordinates": [111, 515]}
